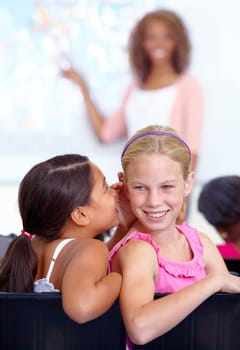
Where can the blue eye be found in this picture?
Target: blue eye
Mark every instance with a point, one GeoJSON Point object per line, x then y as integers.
{"type": "Point", "coordinates": [167, 187]}
{"type": "Point", "coordinates": [140, 188]}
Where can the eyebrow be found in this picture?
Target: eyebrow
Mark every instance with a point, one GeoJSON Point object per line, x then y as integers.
{"type": "Point", "coordinates": [162, 182]}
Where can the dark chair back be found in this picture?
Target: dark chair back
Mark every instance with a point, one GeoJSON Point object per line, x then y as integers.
{"type": "Point", "coordinates": [214, 325]}
{"type": "Point", "coordinates": [34, 321]}
{"type": "Point", "coordinates": [233, 265]}
{"type": "Point", "coordinates": [37, 322]}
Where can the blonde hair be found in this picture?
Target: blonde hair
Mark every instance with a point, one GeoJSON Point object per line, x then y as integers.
{"type": "Point", "coordinates": [161, 139]}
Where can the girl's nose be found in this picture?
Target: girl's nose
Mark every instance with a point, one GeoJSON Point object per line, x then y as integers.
{"type": "Point", "coordinates": [154, 199]}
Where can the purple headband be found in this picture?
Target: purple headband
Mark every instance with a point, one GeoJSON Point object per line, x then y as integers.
{"type": "Point", "coordinates": [156, 133]}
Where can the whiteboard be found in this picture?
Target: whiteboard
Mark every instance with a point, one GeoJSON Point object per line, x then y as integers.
{"type": "Point", "coordinates": [214, 28]}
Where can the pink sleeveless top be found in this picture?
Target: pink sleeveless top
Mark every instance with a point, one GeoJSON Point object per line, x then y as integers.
{"type": "Point", "coordinates": [229, 251]}
{"type": "Point", "coordinates": [173, 275]}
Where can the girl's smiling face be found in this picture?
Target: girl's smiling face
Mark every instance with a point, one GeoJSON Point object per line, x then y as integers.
{"type": "Point", "coordinates": [156, 189]}
{"type": "Point", "coordinates": [158, 43]}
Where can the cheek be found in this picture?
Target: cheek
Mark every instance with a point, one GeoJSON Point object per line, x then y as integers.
{"type": "Point", "coordinates": [179, 198]}
{"type": "Point", "coordinates": [171, 45]}
{"type": "Point", "coordinates": [147, 45]}
{"type": "Point", "coordinates": [136, 199]}
{"type": "Point", "coordinates": [175, 197]}
{"type": "Point", "coordinates": [112, 202]}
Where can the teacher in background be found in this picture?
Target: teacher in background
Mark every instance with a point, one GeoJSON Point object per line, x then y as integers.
{"type": "Point", "coordinates": [163, 92]}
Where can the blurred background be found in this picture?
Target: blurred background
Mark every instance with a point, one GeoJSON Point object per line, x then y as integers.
{"type": "Point", "coordinates": [42, 114]}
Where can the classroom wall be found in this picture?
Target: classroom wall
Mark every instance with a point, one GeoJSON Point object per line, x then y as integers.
{"type": "Point", "coordinates": [42, 114]}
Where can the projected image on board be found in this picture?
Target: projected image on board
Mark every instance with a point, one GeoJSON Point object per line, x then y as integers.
{"type": "Point", "coordinates": [42, 114]}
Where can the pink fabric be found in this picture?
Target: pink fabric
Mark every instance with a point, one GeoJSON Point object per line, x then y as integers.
{"type": "Point", "coordinates": [173, 275]}
{"type": "Point", "coordinates": [186, 116]}
{"type": "Point", "coordinates": [228, 250]}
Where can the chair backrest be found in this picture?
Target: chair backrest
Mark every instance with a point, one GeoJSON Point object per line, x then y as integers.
{"type": "Point", "coordinates": [233, 265]}
{"type": "Point", "coordinates": [214, 325]}
{"type": "Point", "coordinates": [34, 321]}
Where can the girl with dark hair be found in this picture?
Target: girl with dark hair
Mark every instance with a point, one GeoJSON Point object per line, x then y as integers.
{"type": "Point", "coordinates": [64, 203]}
{"type": "Point", "coordinates": [163, 92]}
{"type": "Point", "coordinates": [219, 202]}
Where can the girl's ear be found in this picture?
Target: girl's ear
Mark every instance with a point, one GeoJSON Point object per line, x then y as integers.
{"type": "Point", "coordinates": [126, 189]}
{"type": "Point", "coordinates": [189, 184]}
{"type": "Point", "coordinates": [121, 178]}
{"type": "Point", "coordinates": [80, 216]}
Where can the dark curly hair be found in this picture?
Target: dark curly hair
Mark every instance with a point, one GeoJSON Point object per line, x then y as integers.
{"type": "Point", "coordinates": [219, 201]}
{"type": "Point", "coordinates": [139, 61]}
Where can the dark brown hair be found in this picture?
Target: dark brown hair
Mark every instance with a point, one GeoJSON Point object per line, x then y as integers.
{"type": "Point", "coordinates": [219, 201]}
{"type": "Point", "coordinates": [48, 193]}
{"type": "Point", "coordinates": [139, 61]}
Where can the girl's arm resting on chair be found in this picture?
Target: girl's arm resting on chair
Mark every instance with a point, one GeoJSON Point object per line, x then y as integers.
{"type": "Point", "coordinates": [145, 318]}
{"type": "Point", "coordinates": [87, 290]}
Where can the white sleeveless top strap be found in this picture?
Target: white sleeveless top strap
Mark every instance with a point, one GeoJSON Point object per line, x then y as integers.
{"type": "Point", "coordinates": [57, 251]}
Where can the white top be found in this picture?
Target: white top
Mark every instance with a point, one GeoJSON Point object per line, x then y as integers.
{"type": "Point", "coordinates": [44, 284]}
{"type": "Point", "coordinates": [149, 107]}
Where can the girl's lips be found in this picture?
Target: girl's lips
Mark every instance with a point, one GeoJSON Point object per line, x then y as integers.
{"type": "Point", "coordinates": [156, 215]}
{"type": "Point", "coordinates": [158, 53]}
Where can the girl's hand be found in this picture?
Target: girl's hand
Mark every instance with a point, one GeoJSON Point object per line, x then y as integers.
{"type": "Point", "coordinates": [126, 217]}
{"type": "Point", "coordinates": [230, 284]}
